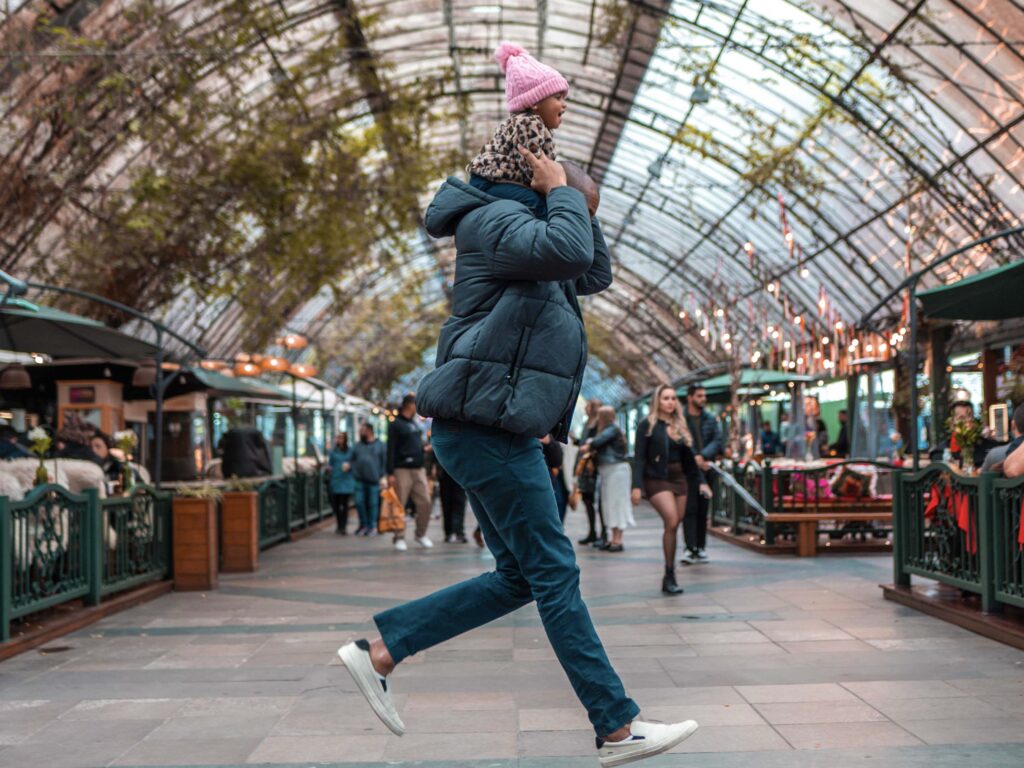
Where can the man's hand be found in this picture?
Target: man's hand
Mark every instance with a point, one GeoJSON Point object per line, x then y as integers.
{"type": "Point", "coordinates": [705, 490]}
{"type": "Point", "coordinates": [635, 497]}
{"type": "Point", "coordinates": [547, 174]}
{"type": "Point", "coordinates": [702, 463]}
{"type": "Point", "coordinates": [392, 482]}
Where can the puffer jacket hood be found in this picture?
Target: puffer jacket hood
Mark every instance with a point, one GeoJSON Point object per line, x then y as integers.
{"type": "Point", "coordinates": [453, 201]}
{"type": "Point", "coordinates": [513, 351]}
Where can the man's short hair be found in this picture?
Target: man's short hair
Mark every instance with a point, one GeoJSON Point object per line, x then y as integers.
{"type": "Point", "coordinates": [7, 432]}
{"type": "Point", "coordinates": [367, 426]}
{"type": "Point", "coordinates": [1018, 418]}
{"type": "Point", "coordinates": [409, 399]}
{"type": "Point", "coordinates": [693, 389]}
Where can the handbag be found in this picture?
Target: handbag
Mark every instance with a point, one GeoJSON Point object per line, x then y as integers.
{"type": "Point", "coordinates": [586, 473]}
{"type": "Point", "coordinates": [575, 497]}
{"type": "Point", "coordinates": [392, 513]}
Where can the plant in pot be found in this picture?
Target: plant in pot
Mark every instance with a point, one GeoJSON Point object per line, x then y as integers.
{"type": "Point", "coordinates": [39, 445]}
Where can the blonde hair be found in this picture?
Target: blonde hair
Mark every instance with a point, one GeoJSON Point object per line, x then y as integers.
{"type": "Point", "coordinates": [605, 417]}
{"type": "Point", "coordinates": [676, 424]}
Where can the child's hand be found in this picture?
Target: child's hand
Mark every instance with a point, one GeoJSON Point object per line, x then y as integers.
{"type": "Point", "coordinates": [547, 174]}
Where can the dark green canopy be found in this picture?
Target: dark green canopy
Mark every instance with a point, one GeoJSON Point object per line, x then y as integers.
{"type": "Point", "coordinates": [749, 377]}
{"type": "Point", "coordinates": [997, 294]}
{"type": "Point", "coordinates": [28, 327]}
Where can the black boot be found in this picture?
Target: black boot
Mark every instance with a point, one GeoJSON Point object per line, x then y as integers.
{"type": "Point", "coordinates": [668, 583]}
{"type": "Point", "coordinates": [590, 538]}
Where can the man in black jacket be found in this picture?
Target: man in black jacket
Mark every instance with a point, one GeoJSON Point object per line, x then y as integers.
{"type": "Point", "coordinates": [405, 470]}
{"type": "Point", "coordinates": [707, 444]}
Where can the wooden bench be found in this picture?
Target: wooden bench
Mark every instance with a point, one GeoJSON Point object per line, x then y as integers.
{"type": "Point", "coordinates": [807, 522]}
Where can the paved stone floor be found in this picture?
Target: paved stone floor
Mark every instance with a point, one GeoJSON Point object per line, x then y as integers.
{"type": "Point", "coordinates": [784, 663]}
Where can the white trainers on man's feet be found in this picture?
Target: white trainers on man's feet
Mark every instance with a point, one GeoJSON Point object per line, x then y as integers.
{"type": "Point", "coordinates": [701, 556]}
{"type": "Point", "coordinates": [356, 658]}
{"type": "Point", "coordinates": [424, 542]}
{"type": "Point", "coordinates": [400, 545]}
{"type": "Point", "coordinates": [645, 740]}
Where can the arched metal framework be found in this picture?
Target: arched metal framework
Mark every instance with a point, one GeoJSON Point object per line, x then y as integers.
{"type": "Point", "coordinates": [867, 125]}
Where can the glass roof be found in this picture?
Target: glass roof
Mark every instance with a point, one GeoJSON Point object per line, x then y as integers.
{"type": "Point", "coordinates": [756, 157]}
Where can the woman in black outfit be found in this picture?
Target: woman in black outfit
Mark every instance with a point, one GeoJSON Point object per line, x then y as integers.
{"type": "Point", "coordinates": [586, 472]}
{"type": "Point", "coordinates": [664, 469]}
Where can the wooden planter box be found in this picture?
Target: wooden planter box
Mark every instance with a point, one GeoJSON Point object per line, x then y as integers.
{"type": "Point", "coordinates": [195, 543]}
{"type": "Point", "coordinates": [239, 531]}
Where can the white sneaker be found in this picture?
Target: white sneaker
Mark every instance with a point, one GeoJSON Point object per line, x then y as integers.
{"type": "Point", "coordinates": [688, 558]}
{"type": "Point", "coordinates": [645, 740]}
{"type": "Point", "coordinates": [356, 658]}
{"type": "Point", "coordinates": [424, 542]}
{"type": "Point", "coordinates": [701, 556]}
{"type": "Point", "coordinates": [400, 545]}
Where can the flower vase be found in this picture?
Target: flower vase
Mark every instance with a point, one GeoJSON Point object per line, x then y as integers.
{"type": "Point", "coordinates": [42, 476]}
{"type": "Point", "coordinates": [127, 479]}
{"type": "Point", "coordinates": [967, 458]}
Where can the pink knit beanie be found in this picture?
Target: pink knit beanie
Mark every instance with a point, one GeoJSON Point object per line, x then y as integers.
{"type": "Point", "coordinates": [527, 81]}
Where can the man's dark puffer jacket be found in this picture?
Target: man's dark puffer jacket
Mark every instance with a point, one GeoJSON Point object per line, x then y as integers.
{"type": "Point", "coordinates": [513, 351]}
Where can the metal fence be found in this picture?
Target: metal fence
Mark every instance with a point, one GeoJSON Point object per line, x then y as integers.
{"type": "Point", "coordinates": [56, 546]}
{"type": "Point", "coordinates": [796, 489]}
{"type": "Point", "coordinates": [964, 531]}
{"type": "Point", "coordinates": [287, 503]}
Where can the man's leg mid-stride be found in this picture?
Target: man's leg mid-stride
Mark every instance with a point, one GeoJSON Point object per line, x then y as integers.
{"type": "Point", "coordinates": [508, 486]}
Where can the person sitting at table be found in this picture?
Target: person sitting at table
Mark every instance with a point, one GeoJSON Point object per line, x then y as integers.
{"type": "Point", "coordinates": [10, 448]}
{"type": "Point", "coordinates": [73, 440]}
{"type": "Point", "coordinates": [998, 459]}
{"type": "Point", "coordinates": [112, 467]}
{"type": "Point", "coordinates": [771, 445]}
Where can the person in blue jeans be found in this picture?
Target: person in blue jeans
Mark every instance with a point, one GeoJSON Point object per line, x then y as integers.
{"type": "Point", "coordinates": [369, 470]}
{"type": "Point", "coordinates": [509, 367]}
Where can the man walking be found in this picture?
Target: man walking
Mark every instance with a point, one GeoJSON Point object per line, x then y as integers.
{"type": "Point", "coordinates": [406, 474]}
{"type": "Point", "coordinates": [368, 471]}
{"type": "Point", "coordinates": [510, 363]}
{"type": "Point", "coordinates": [707, 444]}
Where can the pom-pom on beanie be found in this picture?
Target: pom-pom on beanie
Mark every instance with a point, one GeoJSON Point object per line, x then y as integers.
{"type": "Point", "coordinates": [527, 81]}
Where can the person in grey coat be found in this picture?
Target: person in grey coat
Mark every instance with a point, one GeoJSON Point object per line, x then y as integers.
{"type": "Point", "coordinates": [509, 366]}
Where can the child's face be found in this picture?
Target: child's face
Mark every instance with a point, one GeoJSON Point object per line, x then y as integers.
{"type": "Point", "coordinates": [551, 110]}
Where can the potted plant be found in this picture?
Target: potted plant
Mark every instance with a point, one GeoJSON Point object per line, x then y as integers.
{"type": "Point", "coordinates": [195, 537]}
{"type": "Point", "coordinates": [39, 444]}
{"type": "Point", "coordinates": [239, 526]}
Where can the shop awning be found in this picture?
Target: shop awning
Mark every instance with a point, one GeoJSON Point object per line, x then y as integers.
{"type": "Point", "coordinates": [992, 295]}
{"type": "Point", "coordinates": [749, 377]}
{"type": "Point", "coordinates": [237, 386]}
{"type": "Point", "coordinates": [28, 327]}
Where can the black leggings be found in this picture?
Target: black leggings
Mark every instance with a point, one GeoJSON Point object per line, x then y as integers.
{"type": "Point", "coordinates": [453, 506]}
{"type": "Point", "coordinates": [594, 512]}
{"type": "Point", "coordinates": [339, 503]}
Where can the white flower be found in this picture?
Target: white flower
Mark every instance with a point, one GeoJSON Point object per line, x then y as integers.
{"type": "Point", "coordinates": [125, 436]}
{"type": "Point", "coordinates": [37, 434]}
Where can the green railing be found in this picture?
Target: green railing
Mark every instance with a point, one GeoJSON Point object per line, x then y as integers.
{"type": "Point", "coordinates": [57, 546]}
{"type": "Point", "coordinates": [796, 489]}
{"type": "Point", "coordinates": [136, 538]}
{"type": "Point", "coordinates": [961, 530]}
{"type": "Point", "coordinates": [273, 509]}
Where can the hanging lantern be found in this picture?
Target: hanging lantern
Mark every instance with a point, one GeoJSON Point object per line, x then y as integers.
{"type": "Point", "coordinates": [276, 364]}
{"type": "Point", "coordinates": [302, 370]}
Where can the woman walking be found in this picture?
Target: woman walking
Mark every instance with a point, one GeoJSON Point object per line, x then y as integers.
{"type": "Point", "coordinates": [343, 485]}
{"type": "Point", "coordinates": [614, 471]}
{"type": "Point", "coordinates": [665, 470]}
{"type": "Point", "coordinates": [586, 481]}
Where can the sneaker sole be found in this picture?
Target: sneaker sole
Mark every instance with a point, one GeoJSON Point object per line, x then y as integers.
{"type": "Point", "coordinates": [365, 685]}
{"type": "Point", "coordinates": [614, 760]}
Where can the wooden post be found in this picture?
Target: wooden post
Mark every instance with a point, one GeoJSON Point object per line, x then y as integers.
{"type": "Point", "coordinates": [990, 360]}
{"type": "Point", "coordinates": [195, 543]}
{"type": "Point", "coordinates": [240, 534]}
